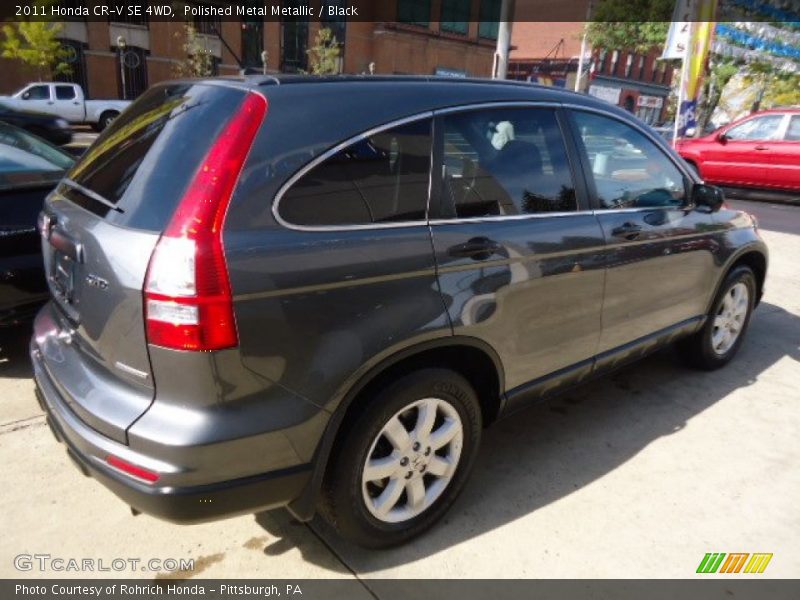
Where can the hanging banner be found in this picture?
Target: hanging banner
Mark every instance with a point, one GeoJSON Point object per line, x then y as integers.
{"type": "Point", "coordinates": [678, 36]}
{"type": "Point", "coordinates": [694, 66]}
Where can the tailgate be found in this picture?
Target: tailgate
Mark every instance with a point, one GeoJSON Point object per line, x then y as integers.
{"type": "Point", "coordinates": [99, 229]}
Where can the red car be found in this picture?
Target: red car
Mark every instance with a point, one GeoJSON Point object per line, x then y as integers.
{"type": "Point", "coordinates": [758, 151]}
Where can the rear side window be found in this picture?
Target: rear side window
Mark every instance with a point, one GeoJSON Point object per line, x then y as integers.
{"type": "Point", "coordinates": [382, 178]}
{"type": "Point", "coordinates": [141, 164]}
{"type": "Point", "coordinates": [508, 161]}
{"type": "Point", "coordinates": [793, 131]}
{"type": "Point", "coordinates": [65, 92]}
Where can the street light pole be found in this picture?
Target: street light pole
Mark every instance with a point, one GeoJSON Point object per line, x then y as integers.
{"type": "Point", "coordinates": [121, 45]}
{"type": "Point", "coordinates": [500, 67]}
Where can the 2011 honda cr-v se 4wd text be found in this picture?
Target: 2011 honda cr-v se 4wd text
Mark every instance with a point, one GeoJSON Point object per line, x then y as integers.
{"type": "Point", "coordinates": [316, 292]}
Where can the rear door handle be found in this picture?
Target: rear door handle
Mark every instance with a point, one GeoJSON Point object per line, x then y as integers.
{"type": "Point", "coordinates": [479, 248]}
{"type": "Point", "coordinates": [761, 148]}
{"type": "Point", "coordinates": [629, 231]}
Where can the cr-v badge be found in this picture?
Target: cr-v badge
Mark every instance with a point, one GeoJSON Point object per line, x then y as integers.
{"type": "Point", "coordinates": [95, 281]}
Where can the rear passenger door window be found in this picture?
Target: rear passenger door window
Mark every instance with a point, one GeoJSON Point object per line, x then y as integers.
{"type": "Point", "coordinates": [504, 161]}
{"type": "Point", "coordinates": [793, 131]}
{"type": "Point", "coordinates": [629, 170]}
{"type": "Point", "coordinates": [65, 92]}
{"type": "Point", "coordinates": [380, 179]}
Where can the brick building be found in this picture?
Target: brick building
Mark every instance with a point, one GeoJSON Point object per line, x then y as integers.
{"type": "Point", "coordinates": [448, 37]}
{"type": "Point", "coordinates": [548, 53]}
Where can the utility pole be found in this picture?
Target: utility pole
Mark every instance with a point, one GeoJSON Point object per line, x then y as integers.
{"type": "Point", "coordinates": [581, 58]}
{"type": "Point", "coordinates": [500, 67]}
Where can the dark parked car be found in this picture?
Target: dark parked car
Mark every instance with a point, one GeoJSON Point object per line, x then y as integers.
{"type": "Point", "coordinates": [316, 293]}
{"type": "Point", "coordinates": [53, 129]}
{"type": "Point", "coordinates": [29, 169]}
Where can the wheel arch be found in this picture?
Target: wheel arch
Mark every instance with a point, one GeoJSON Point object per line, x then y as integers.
{"type": "Point", "coordinates": [753, 256]}
{"type": "Point", "coordinates": [472, 358]}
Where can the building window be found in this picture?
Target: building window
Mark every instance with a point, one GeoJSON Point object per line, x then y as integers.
{"type": "Point", "coordinates": [252, 39]}
{"type": "Point", "coordinates": [210, 25]}
{"type": "Point", "coordinates": [490, 19]}
{"type": "Point", "coordinates": [132, 77]}
{"type": "Point", "coordinates": [641, 66]}
{"type": "Point", "coordinates": [414, 12]}
{"type": "Point", "coordinates": [455, 16]}
{"type": "Point", "coordinates": [614, 62]}
{"type": "Point", "coordinates": [294, 41]}
{"type": "Point", "coordinates": [629, 65]}
{"type": "Point", "coordinates": [132, 19]}
{"type": "Point", "coordinates": [76, 60]}
{"type": "Point", "coordinates": [603, 62]}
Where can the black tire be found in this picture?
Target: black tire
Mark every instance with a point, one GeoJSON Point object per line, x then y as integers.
{"type": "Point", "coordinates": [343, 504]}
{"type": "Point", "coordinates": [698, 350]}
{"type": "Point", "coordinates": [106, 118]}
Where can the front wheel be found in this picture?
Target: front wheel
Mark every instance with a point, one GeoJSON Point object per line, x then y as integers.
{"type": "Point", "coordinates": [720, 338]}
{"type": "Point", "coordinates": [404, 460]}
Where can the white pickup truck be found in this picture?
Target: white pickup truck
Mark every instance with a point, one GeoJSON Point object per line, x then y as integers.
{"type": "Point", "coordinates": [66, 100]}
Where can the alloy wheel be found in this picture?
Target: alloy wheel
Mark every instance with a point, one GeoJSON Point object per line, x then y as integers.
{"type": "Point", "coordinates": [412, 460]}
{"type": "Point", "coordinates": [730, 318]}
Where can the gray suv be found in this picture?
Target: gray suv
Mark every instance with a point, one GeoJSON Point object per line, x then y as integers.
{"type": "Point", "coordinates": [316, 292]}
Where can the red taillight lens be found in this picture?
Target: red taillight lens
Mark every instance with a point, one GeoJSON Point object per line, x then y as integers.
{"type": "Point", "coordinates": [126, 467]}
{"type": "Point", "coordinates": [188, 302]}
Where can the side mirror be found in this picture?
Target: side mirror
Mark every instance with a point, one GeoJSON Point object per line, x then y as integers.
{"type": "Point", "coordinates": [709, 196]}
{"type": "Point", "coordinates": [722, 138]}
{"type": "Point", "coordinates": [26, 96]}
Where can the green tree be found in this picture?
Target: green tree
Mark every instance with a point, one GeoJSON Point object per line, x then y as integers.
{"type": "Point", "coordinates": [720, 73]}
{"type": "Point", "coordinates": [199, 61]}
{"type": "Point", "coordinates": [775, 87]}
{"type": "Point", "coordinates": [637, 25]}
{"type": "Point", "coordinates": [36, 44]}
{"type": "Point", "coordinates": [324, 54]}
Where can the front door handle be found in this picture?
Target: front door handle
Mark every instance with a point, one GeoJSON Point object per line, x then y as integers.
{"type": "Point", "coordinates": [629, 231]}
{"type": "Point", "coordinates": [478, 248]}
{"type": "Point", "coordinates": [761, 148]}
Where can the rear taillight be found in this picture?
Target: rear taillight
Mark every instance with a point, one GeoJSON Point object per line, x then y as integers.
{"type": "Point", "coordinates": [188, 302]}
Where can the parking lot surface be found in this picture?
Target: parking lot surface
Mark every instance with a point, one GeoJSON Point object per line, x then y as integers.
{"type": "Point", "coordinates": [636, 475]}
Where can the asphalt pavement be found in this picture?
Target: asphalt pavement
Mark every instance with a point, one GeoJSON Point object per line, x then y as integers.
{"type": "Point", "coordinates": [637, 475]}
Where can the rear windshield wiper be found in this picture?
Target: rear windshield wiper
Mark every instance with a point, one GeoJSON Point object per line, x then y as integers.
{"type": "Point", "coordinates": [93, 195]}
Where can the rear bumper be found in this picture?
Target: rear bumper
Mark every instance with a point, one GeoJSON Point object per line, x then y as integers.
{"type": "Point", "coordinates": [89, 449]}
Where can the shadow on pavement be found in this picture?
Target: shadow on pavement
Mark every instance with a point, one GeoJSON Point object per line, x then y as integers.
{"type": "Point", "coordinates": [554, 448]}
{"type": "Point", "coordinates": [14, 360]}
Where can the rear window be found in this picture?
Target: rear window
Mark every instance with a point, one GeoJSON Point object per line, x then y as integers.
{"type": "Point", "coordinates": [136, 171]}
{"type": "Point", "coordinates": [28, 161]}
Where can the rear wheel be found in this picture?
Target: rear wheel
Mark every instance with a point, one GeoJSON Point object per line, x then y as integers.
{"type": "Point", "coordinates": [106, 119]}
{"type": "Point", "coordinates": [718, 341]}
{"type": "Point", "coordinates": [404, 460]}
